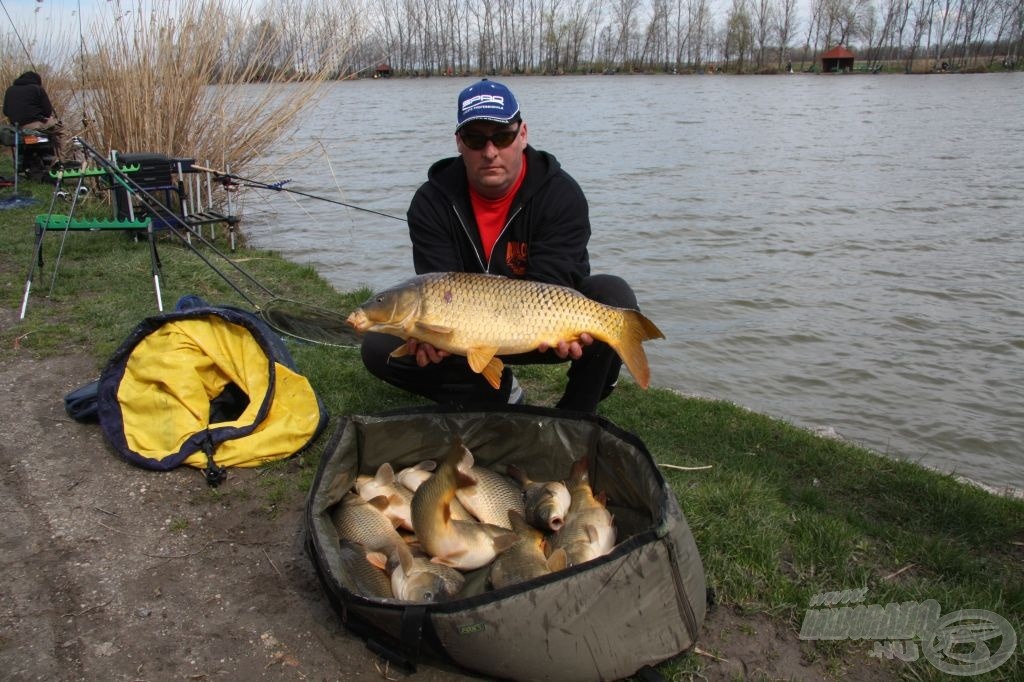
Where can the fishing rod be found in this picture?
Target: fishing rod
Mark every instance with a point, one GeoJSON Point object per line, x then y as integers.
{"type": "Point", "coordinates": [124, 179]}
{"type": "Point", "coordinates": [227, 178]}
{"type": "Point", "coordinates": [292, 318]}
{"type": "Point", "coordinates": [14, 27]}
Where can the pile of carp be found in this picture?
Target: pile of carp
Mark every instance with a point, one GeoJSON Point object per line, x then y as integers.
{"type": "Point", "coordinates": [413, 534]}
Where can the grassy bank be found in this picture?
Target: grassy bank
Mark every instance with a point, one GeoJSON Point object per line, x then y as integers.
{"type": "Point", "coordinates": [781, 515]}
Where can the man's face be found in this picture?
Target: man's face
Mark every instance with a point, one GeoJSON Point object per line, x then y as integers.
{"type": "Point", "coordinates": [492, 170]}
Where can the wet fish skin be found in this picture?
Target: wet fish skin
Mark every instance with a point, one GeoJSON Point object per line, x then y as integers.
{"type": "Point", "coordinates": [491, 495]}
{"type": "Point", "coordinates": [546, 502]}
{"type": "Point", "coordinates": [417, 579]}
{"type": "Point", "coordinates": [527, 558]}
{"type": "Point", "coordinates": [364, 522]}
{"type": "Point", "coordinates": [482, 316]}
{"type": "Point", "coordinates": [414, 476]}
{"type": "Point", "coordinates": [399, 497]}
{"type": "Point", "coordinates": [588, 531]}
{"type": "Point", "coordinates": [464, 545]}
{"type": "Point", "coordinates": [368, 579]}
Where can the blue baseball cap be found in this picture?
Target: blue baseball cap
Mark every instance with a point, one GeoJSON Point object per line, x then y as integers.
{"type": "Point", "coordinates": [487, 101]}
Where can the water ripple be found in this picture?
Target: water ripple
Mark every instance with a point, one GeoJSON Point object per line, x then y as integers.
{"type": "Point", "coordinates": [864, 275]}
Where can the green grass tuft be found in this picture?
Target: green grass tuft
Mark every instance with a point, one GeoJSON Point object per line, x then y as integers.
{"type": "Point", "coordinates": [781, 515]}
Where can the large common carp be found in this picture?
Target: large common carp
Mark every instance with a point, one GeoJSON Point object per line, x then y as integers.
{"type": "Point", "coordinates": [413, 477]}
{"type": "Point", "coordinates": [588, 531]}
{"type": "Point", "coordinates": [491, 496]}
{"type": "Point", "coordinates": [464, 545]}
{"type": "Point", "coordinates": [525, 559]}
{"type": "Point", "coordinates": [383, 484]}
{"type": "Point", "coordinates": [416, 578]}
{"type": "Point", "coordinates": [369, 579]}
{"type": "Point", "coordinates": [364, 522]}
{"type": "Point", "coordinates": [546, 502]}
{"type": "Point", "coordinates": [482, 316]}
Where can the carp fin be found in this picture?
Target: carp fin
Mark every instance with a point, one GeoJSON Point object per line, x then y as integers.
{"type": "Point", "coordinates": [636, 329]}
{"type": "Point", "coordinates": [405, 558]}
{"type": "Point", "coordinates": [482, 361]}
{"type": "Point", "coordinates": [517, 474]}
{"type": "Point", "coordinates": [518, 523]}
{"type": "Point", "coordinates": [504, 541]}
{"type": "Point", "coordinates": [492, 372]}
{"type": "Point", "coordinates": [377, 560]}
{"type": "Point", "coordinates": [385, 474]}
{"type": "Point", "coordinates": [381, 502]}
{"type": "Point", "coordinates": [558, 561]}
{"type": "Point", "coordinates": [433, 328]}
{"type": "Point", "coordinates": [449, 559]}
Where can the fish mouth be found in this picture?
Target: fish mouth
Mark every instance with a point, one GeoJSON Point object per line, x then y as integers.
{"type": "Point", "coordinates": [358, 320]}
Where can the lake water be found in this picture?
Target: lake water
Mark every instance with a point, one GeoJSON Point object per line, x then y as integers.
{"type": "Point", "coordinates": [844, 252]}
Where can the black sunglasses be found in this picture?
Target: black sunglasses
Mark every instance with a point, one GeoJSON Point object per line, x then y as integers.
{"type": "Point", "coordinates": [500, 139]}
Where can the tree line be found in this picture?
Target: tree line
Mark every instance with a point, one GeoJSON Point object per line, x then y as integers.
{"type": "Point", "coordinates": [442, 37]}
{"type": "Point", "coordinates": [449, 37]}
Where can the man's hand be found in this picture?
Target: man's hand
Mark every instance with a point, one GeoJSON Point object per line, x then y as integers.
{"type": "Point", "coordinates": [573, 349]}
{"type": "Point", "coordinates": [425, 353]}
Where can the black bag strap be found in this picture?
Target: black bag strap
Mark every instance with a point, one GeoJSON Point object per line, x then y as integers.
{"type": "Point", "coordinates": [411, 636]}
{"type": "Point", "coordinates": [412, 632]}
{"type": "Point", "coordinates": [214, 474]}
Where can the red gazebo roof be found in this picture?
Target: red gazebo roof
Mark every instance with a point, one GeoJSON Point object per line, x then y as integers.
{"type": "Point", "coordinates": [838, 52]}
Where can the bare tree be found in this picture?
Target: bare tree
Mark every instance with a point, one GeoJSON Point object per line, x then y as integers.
{"type": "Point", "coordinates": [785, 27]}
{"type": "Point", "coordinates": [814, 31]}
{"type": "Point", "coordinates": [1009, 21]}
{"type": "Point", "coordinates": [623, 28]}
{"type": "Point", "coordinates": [700, 31]}
{"type": "Point", "coordinates": [763, 15]}
{"type": "Point", "coordinates": [654, 42]}
{"type": "Point", "coordinates": [922, 20]}
{"type": "Point", "coordinates": [738, 39]}
{"type": "Point", "coordinates": [578, 22]}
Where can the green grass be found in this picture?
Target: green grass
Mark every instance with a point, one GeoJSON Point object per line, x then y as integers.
{"type": "Point", "coordinates": [783, 514]}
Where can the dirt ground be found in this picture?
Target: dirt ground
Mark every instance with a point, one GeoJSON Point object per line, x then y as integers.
{"type": "Point", "coordinates": [111, 572]}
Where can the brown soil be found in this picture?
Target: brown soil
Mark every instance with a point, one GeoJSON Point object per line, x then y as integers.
{"type": "Point", "coordinates": [112, 572]}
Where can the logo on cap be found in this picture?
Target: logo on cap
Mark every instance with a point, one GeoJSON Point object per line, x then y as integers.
{"type": "Point", "coordinates": [484, 102]}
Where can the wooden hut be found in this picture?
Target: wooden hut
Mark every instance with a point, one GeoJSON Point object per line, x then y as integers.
{"type": "Point", "coordinates": [383, 70]}
{"type": "Point", "coordinates": [837, 60]}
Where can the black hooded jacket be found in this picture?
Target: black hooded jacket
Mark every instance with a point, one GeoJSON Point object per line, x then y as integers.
{"type": "Point", "coordinates": [544, 239]}
{"type": "Point", "coordinates": [26, 101]}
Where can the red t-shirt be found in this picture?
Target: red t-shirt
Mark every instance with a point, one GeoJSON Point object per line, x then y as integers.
{"type": "Point", "coordinates": [491, 213]}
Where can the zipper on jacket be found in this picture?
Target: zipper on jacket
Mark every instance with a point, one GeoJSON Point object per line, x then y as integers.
{"type": "Point", "coordinates": [479, 256]}
{"type": "Point", "coordinates": [508, 222]}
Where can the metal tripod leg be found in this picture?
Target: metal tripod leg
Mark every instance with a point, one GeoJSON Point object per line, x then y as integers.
{"type": "Point", "coordinates": [155, 262]}
{"type": "Point", "coordinates": [17, 171]}
{"type": "Point", "coordinates": [37, 261]}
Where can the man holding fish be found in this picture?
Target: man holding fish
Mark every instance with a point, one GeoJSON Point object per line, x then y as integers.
{"type": "Point", "coordinates": [501, 208]}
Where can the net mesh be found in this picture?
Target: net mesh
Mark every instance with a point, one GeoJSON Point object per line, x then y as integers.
{"type": "Point", "coordinates": [309, 323]}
